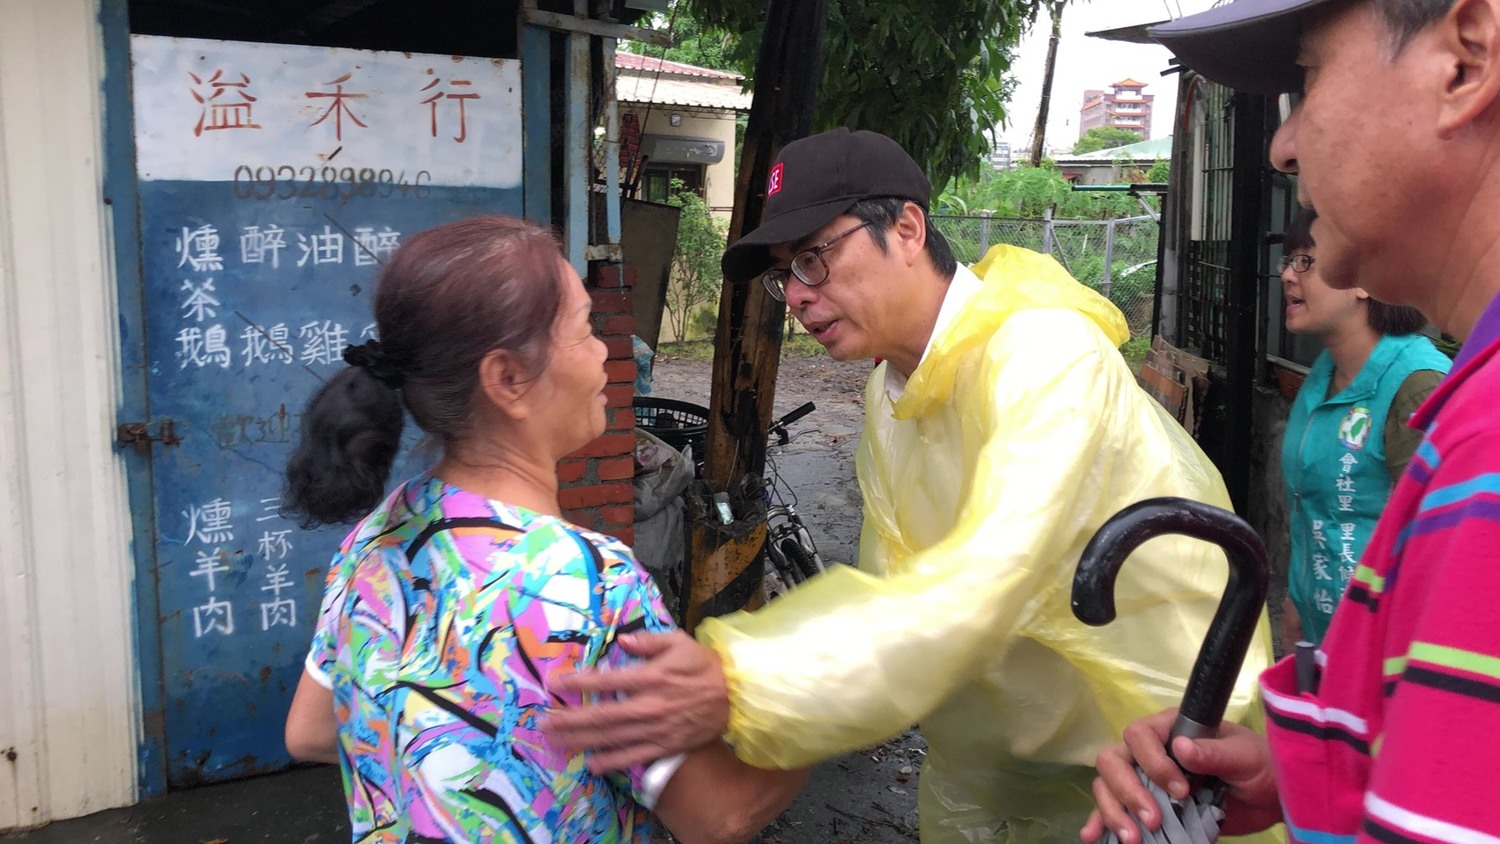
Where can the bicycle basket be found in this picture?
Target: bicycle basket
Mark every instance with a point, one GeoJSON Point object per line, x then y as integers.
{"type": "Point", "coordinates": [677, 423]}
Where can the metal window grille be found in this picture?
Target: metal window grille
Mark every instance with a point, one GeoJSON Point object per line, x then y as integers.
{"type": "Point", "coordinates": [1204, 294]}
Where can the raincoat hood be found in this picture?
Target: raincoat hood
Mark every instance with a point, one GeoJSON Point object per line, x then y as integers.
{"type": "Point", "coordinates": [1012, 279]}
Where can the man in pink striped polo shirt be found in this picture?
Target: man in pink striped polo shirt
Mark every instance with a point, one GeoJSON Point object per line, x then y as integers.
{"type": "Point", "coordinates": [1396, 143]}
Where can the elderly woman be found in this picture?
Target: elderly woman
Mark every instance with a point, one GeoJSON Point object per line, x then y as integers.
{"type": "Point", "coordinates": [462, 595]}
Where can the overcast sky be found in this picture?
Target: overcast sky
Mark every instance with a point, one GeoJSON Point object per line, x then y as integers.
{"type": "Point", "coordinates": [1084, 63]}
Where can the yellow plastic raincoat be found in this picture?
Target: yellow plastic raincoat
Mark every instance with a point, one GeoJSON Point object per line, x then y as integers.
{"type": "Point", "coordinates": [1020, 432]}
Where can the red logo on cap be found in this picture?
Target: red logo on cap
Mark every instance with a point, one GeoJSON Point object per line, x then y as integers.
{"type": "Point", "coordinates": [773, 184]}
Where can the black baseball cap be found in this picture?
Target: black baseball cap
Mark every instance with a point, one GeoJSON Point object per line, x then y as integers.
{"type": "Point", "coordinates": [814, 180]}
{"type": "Point", "coordinates": [1248, 45]}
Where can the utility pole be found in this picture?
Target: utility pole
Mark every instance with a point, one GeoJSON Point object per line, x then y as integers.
{"type": "Point", "coordinates": [1039, 133]}
{"type": "Point", "coordinates": [724, 560]}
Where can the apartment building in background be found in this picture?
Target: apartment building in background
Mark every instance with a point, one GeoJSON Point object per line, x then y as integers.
{"type": "Point", "coordinates": [1123, 106]}
{"type": "Point", "coordinates": [1000, 155]}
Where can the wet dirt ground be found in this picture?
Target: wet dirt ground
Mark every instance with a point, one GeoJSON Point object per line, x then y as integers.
{"type": "Point", "coordinates": [867, 797]}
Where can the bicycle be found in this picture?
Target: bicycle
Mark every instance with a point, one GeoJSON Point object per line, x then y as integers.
{"type": "Point", "coordinates": [789, 547]}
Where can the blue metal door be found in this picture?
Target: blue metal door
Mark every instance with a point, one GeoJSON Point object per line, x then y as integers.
{"type": "Point", "coordinates": [273, 181]}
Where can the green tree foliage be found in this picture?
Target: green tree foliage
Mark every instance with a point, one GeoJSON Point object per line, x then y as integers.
{"type": "Point", "coordinates": [1027, 193]}
{"type": "Point", "coordinates": [695, 277]}
{"type": "Point", "coordinates": [1160, 172]}
{"type": "Point", "coordinates": [1133, 276]}
{"type": "Point", "coordinates": [695, 44]}
{"type": "Point", "coordinates": [933, 74]}
{"type": "Point", "coordinates": [1104, 137]}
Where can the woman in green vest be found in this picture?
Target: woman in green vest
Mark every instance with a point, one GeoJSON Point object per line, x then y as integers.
{"type": "Point", "coordinates": [1346, 441]}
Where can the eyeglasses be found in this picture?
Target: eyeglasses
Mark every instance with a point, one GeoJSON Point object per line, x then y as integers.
{"type": "Point", "coordinates": [808, 265]}
{"type": "Point", "coordinates": [1298, 263]}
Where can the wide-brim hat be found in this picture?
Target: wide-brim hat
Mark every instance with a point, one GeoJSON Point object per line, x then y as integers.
{"type": "Point", "coordinates": [814, 180]}
{"type": "Point", "coordinates": [1248, 45]}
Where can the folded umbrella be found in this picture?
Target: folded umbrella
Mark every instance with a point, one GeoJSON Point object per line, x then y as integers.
{"type": "Point", "coordinates": [1194, 819]}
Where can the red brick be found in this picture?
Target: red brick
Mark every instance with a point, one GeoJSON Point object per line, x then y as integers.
{"type": "Point", "coordinates": [618, 324]}
{"type": "Point", "coordinates": [619, 348]}
{"type": "Point", "coordinates": [572, 469]}
{"type": "Point", "coordinates": [624, 534]}
{"type": "Point", "coordinates": [617, 469]}
{"type": "Point", "coordinates": [621, 395]}
{"type": "Point", "coordinates": [590, 477]}
{"type": "Point", "coordinates": [620, 371]}
{"type": "Point", "coordinates": [612, 301]}
{"type": "Point", "coordinates": [613, 275]}
{"type": "Point", "coordinates": [578, 497]}
{"type": "Point", "coordinates": [609, 445]}
{"type": "Point", "coordinates": [585, 517]}
{"type": "Point", "coordinates": [623, 419]}
{"type": "Point", "coordinates": [618, 515]}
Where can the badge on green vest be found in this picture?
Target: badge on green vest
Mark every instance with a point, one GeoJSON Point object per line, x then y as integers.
{"type": "Point", "coordinates": [1355, 428]}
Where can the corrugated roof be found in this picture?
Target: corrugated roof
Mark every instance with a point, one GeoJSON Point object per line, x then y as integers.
{"type": "Point", "coordinates": [631, 61]}
{"type": "Point", "coordinates": [1143, 150]}
{"type": "Point", "coordinates": [633, 86]}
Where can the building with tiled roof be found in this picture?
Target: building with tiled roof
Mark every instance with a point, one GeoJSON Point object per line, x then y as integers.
{"type": "Point", "coordinates": [678, 122]}
{"type": "Point", "coordinates": [1123, 106]}
{"type": "Point", "coordinates": [635, 62]}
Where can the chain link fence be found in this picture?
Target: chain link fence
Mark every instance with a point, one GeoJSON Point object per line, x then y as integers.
{"type": "Point", "coordinates": [1115, 257]}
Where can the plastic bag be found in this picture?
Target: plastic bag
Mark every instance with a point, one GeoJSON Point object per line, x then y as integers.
{"type": "Point", "coordinates": [644, 358]}
{"type": "Point", "coordinates": [662, 475]}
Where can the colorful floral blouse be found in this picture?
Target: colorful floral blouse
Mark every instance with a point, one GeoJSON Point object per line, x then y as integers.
{"type": "Point", "coordinates": [446, 618]}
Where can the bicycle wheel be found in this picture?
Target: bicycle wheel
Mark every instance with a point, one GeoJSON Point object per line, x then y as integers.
{"type": "Point", "coordinates": [799, 558]}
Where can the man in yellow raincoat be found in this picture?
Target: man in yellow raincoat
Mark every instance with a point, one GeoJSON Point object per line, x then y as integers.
{"type": "Point", "coordinates": [1001, 430]}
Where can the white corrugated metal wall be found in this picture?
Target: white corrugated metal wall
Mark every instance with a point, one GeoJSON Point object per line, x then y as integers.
{"type": "Point", "coordinates": [68, 702]}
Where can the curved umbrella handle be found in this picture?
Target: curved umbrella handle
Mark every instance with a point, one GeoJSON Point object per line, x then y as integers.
{"type": "Point", "coordinates": [1233, 627]}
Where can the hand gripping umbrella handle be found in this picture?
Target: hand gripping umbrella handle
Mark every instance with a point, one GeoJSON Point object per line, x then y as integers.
{"type": "Point", "coordinates": [1228, 640]}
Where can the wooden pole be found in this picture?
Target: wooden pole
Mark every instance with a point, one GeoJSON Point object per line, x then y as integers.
{"type": "Point", "coordinates": [724, 561]}
{"type": "Point", "coordinates": [1039, 132]}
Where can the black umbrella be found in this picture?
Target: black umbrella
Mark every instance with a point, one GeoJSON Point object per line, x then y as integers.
{"type": "Point", "coordinates": [1195, 818]}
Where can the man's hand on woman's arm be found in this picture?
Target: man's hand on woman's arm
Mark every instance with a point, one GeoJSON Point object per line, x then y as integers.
{"type": "Point", "coordinates": [1238, 756]}
{"type": "Point", "coordinates": [673, 702]}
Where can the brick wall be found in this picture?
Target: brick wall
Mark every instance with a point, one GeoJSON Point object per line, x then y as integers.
{"type": "Point", "coordinates": [596, 489]}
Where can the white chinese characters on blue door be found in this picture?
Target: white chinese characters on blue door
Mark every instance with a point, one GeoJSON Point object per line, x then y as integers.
{"type": "Point", "coordinates": [274, 181]}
